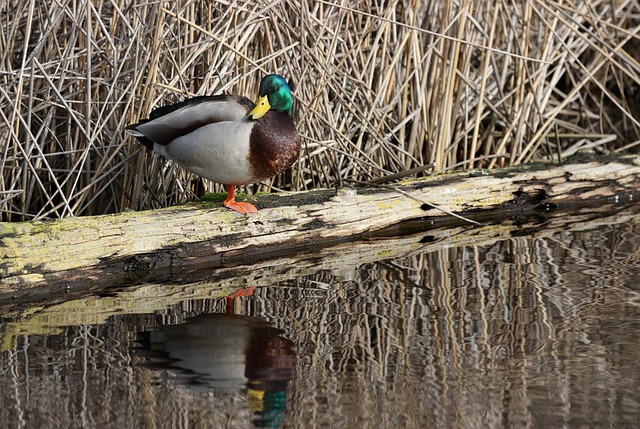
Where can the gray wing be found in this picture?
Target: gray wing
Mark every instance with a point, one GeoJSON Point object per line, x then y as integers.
{"type": "Point", "coordinates": [170, 122]}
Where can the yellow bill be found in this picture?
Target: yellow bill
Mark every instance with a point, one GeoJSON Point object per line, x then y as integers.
{"type": "Point", "coordinates": [262, 107]}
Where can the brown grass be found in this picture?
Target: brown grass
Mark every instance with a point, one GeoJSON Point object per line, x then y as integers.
{"type": "Point", "coordinates": [380, 87]}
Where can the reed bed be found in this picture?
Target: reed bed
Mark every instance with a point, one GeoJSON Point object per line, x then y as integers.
{"type": "Point", "coordinates": [380, 87]}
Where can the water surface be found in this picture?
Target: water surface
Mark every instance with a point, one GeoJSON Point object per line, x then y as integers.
{"type": "Point", "coordinates": [524, 332]}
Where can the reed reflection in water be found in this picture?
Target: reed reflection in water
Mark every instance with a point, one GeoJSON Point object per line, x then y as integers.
{"type": "Point", "coordinates": [522, 333]}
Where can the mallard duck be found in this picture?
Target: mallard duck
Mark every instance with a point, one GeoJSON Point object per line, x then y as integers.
{"type": "Point", "coordinates": [227, 138]}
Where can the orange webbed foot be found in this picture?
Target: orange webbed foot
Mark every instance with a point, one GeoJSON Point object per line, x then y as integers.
{"type": "Point", "coordinates": [237, 294]}
{"type": "Point", "coordinates": [243, 292]}
{"type": "Point", "coordinates": [239, 206]}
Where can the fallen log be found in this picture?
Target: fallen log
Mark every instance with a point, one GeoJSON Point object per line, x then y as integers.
{"type": "Point", "coordinates": [127, 248]}
{"type": "Point", "coordinates": [45, 313]}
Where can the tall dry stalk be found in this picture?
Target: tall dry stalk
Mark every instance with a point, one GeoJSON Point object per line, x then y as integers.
{"type": "Point", "coordinates": [380, 87]}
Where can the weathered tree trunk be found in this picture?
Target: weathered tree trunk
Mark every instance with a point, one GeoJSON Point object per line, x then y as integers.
{"type": "Point", "coordinates": [94, 252]}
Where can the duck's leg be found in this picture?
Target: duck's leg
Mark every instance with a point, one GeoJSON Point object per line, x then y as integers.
{"type": "Point", "coordinates": [239, 206]}
{"type": "Point", "coordinates": [236, 294]}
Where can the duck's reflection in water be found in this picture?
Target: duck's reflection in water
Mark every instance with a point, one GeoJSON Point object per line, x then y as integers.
{"type": "Point", "coordinates": [229, 353]}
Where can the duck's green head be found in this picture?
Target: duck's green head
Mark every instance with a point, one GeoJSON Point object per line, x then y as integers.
{"type": "Point", "coordinates": [274, 95]}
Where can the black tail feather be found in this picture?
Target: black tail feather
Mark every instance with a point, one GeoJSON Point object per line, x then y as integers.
{"type": "Point", "coordinates": [146, 141]}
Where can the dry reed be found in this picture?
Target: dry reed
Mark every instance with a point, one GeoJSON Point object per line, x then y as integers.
{"type": "Point", "coordinates": [380, 87]}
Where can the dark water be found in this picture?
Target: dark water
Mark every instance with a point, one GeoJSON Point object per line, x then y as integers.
{"type": "Point", "coordinates": [525, 332]}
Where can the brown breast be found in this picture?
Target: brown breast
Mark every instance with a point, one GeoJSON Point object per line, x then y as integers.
{"type": "Point", "coordinates": [274, 145]}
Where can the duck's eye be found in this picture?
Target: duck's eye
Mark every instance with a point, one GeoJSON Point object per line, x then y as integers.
{"type": "Point", "coordinates": [276, 88]}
